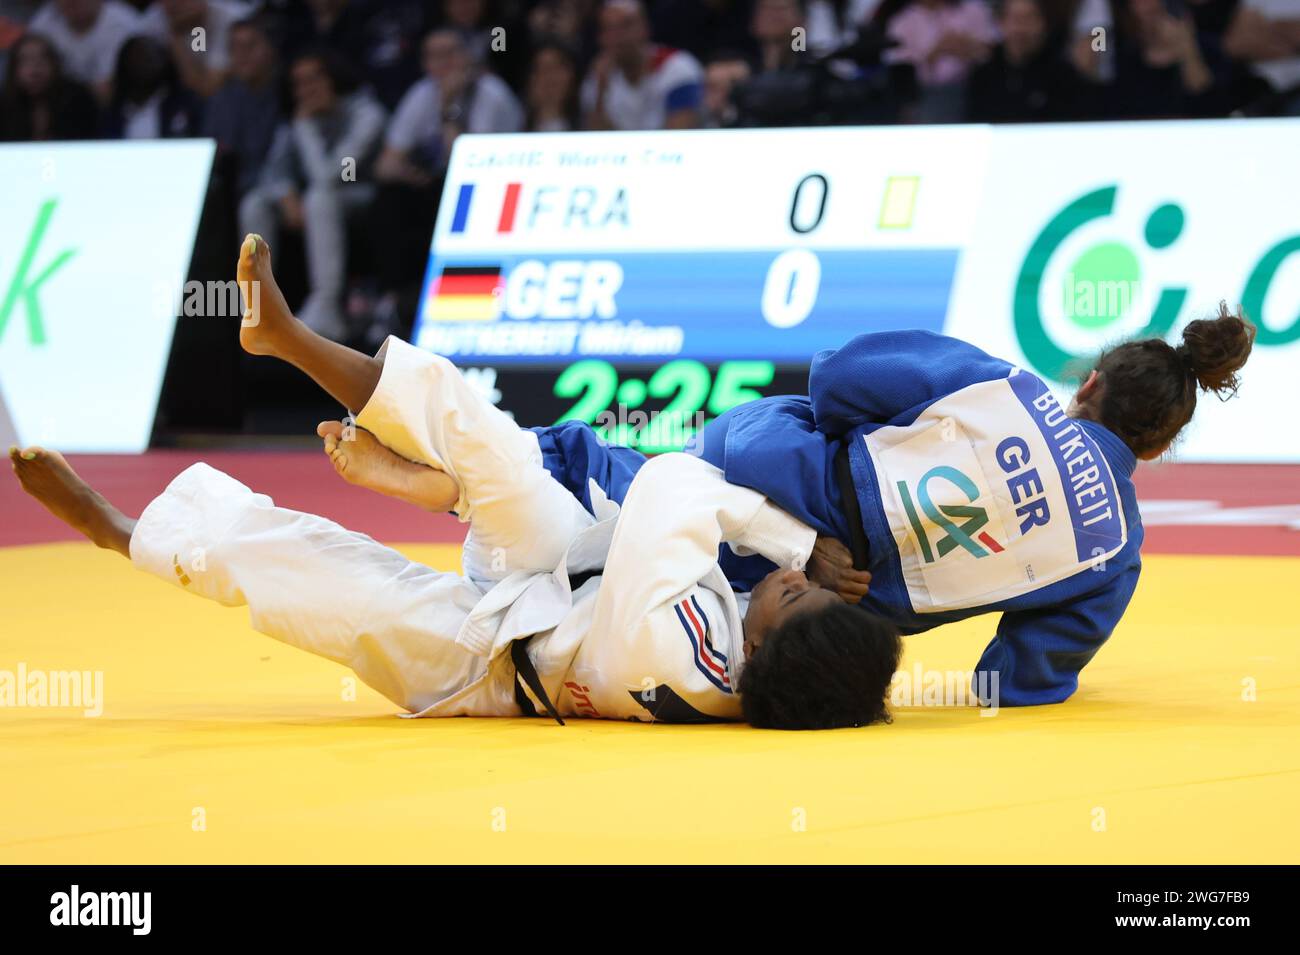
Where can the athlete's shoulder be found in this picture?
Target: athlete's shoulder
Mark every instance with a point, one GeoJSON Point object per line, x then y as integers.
{"type": "Point", "coordinates": [703, 641]}
{"type": "Point", "coordinates": [677, 667]}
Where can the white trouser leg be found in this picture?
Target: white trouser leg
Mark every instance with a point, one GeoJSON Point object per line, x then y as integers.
{"type": "Point", "coordinates": [325, 244]}
{"type": "Point", "coordinates": [325, 239]}
{"type": "Point", "coordinates": [312, 584]}
{"type": "Point", "coordinates": [520, 517]}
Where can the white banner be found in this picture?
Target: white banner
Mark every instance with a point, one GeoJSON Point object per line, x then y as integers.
{"type": "Point", "coordinates": [95, 245]}
{"type": "Point", "coordinates": [1090, 234]}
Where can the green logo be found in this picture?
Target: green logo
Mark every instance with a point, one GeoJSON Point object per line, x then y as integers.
{"type": "Point", "coordinates": [967, 535]}
{"type": "Point", "coordinates": [1100, 286]}
{"type": "Point", "coordinates": [25, 289]}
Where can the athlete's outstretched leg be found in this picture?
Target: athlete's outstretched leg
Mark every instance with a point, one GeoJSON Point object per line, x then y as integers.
{"type": "Point", "coordinates": [46, 476]}
{"type": "Point", "coordinates": [269, 328]}
{"type": "Point", "coordinates": [306, 581]}
{"type": "Point", "coordinates": [418, 405]}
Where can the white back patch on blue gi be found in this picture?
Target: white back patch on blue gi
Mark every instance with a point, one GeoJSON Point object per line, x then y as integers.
{"type": "Point", "coordinates": [992, 492]}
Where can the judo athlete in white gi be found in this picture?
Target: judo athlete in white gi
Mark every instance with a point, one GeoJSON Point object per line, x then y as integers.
{"type": "Point", "coordinates": [621, 615]}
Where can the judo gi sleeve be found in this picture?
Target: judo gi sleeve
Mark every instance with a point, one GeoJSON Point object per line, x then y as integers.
{"type": "Point", "coordinates": [677, 512]}
{"type": "Point", "coordinates": [879, 376]}
{"type": "Point", "coordinates": [1037, 655]}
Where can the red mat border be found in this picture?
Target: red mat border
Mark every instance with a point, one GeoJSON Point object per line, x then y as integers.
{"type": "Point", "coordinates": [303, 480]}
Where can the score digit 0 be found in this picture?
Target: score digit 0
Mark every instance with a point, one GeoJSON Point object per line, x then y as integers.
{"type": "Point", "coordinates": [800, 191]}
{"type": "Point", "coordinates": [790, 291]}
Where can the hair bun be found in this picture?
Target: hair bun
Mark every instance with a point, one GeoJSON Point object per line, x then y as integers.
{"type": "Point", "coordinates": [1214, 349]}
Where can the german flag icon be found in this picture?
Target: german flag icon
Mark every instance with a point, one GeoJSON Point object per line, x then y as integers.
{"type": "Point", "coordinates": [466, 293]}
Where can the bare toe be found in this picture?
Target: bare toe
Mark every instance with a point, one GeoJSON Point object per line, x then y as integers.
{"type": "Point", "coordinates": [330, 429]}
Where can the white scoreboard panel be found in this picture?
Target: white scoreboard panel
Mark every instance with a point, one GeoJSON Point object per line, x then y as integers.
{"type": "Point", "coordinates": [711, 246]}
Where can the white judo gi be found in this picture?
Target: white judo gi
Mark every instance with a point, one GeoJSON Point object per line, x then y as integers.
{"type": "Point", "coordinates": [657, 635]}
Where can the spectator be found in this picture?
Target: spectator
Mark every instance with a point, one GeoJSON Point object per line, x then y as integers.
{"type": "Point", "coordinates": [943, 40]}
{"type": "Point", "coordinates": [635, 84]}
{"type": "Point", "coordinates": [316, 178]}
{"type": "Point", "coordinates": [469, 20]}
{"type": "Point", "coordinates": [495, 34]}
{"type": "Point", "coordinates": [565, 20]}
{"type": "Point", "coordinates": [197, 32]}
{"type": "Point", "coordinates": [1266, 34]}
{"type": "Point", "coordinates": [39, 103]}
{"type": "Point", "coordinates": [1162, 68]}
{"type": "Point", "coordinates": [552, 97]}
{"type": "Point", "coordinates": [88, 35]}
{"type": "Point", "coordinates": [390, 48]}
{"type": "Point", "coordinates": [335, 25]}
{"type": "Point", "coordinates": [14, 17]}
{"type": "Point", "coordinates": [834, 24]}
{"type": "Point", "coordinates": [455, 96]}
{"type": "Point", "coordinates": [148, 101]}
{"type": "Point", "coordinates": [378, 39]}
{"type": "Point", "coordinates": [243, 115]}
{"type": "Point", "coordinates": [773, 27]}
{"type": "Point", "coordinates": [1090, 47]}
{"type": "Point", "coordinates": [322, 24]}
{"type": "Point", "coordinates": [1025, 80]}
{"type": "Point", "coordinates": [1094, 23]}
{"type": "Point", "coordinates": [726, 71]}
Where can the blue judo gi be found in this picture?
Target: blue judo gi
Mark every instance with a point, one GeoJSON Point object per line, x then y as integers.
{"type": "Point", "coordinates": [978, 494]}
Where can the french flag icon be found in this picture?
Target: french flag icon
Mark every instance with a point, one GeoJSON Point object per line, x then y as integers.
{"type": "Point", "coordinates": [509, 206]}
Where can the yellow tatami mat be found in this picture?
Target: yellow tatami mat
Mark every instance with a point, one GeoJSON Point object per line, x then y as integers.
{"type": "Point", "coordinates": [217, 744]}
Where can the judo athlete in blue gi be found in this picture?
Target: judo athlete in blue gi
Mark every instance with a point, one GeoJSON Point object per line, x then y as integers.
{"type": "Point", "coordinates": [964, 485]}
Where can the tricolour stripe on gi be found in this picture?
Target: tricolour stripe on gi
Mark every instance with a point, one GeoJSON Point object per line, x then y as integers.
{"type": "Point", "coordinates": [708, 661]}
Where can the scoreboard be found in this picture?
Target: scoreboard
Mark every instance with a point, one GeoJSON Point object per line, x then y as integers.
{"type": "Point", "coordinates": [646, 282]}
{"type": "Point", "coordinates": [597, 276]}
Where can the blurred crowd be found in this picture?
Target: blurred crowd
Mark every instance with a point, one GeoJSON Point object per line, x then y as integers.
{"type": "Point", "coordinates": [334, 119]}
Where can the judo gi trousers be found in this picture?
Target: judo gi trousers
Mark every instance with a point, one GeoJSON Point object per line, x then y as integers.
{"type": "Point", "coordinates": [315, 585]}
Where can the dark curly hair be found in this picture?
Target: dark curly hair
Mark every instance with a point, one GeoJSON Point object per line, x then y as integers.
{"type": "Point", "coordinates": [1149, 387]}
{"type": "Point", "coordinates": [822, 670]}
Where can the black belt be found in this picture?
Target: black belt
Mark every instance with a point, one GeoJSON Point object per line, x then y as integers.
{"type": "Point", "coordinates": [852, 511]}
{"type": "Point", "coordinates": [526, 672]}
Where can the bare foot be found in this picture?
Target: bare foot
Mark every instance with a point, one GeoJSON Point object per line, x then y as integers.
{"type": "Point", "coordinates": [360, 459]}
{"type": "Point", "coordinates": [46, 476]}
{"type": "Point", "coordinates": [267, 320]}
